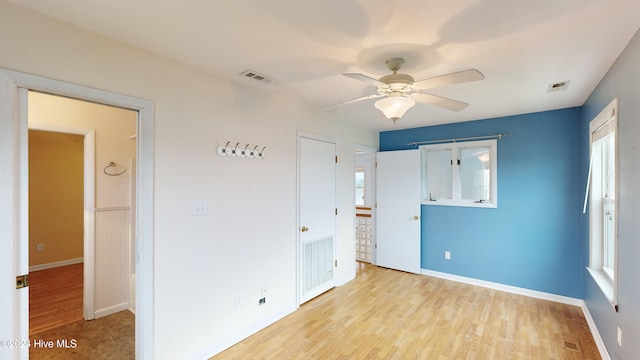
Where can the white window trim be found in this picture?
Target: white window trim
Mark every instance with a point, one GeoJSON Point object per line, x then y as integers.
{"type": "Point", "coordinates": [608, 284]}
{"type": "Point", "coordinates": [455, 179]}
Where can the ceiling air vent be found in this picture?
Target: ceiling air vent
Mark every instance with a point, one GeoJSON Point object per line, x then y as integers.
{"type": "Point", "coordinates": [256, 76]}
{"type": "Point", "coordinates": [559, 86]}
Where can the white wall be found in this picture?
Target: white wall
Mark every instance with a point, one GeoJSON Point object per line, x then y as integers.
{"type": "Point", "coordinates": [248, 238]}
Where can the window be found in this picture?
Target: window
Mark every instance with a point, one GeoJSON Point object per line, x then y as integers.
{"type": "Point", "coordinates": [460, 174]}
{"type": "Point", "coordinates": [602, 195]}
{"type": "Point", "coordinates": [359, 186]}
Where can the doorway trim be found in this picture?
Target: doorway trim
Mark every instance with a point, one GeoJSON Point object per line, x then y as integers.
{"type": "Point", "coordinates": [89, 160]}
{"type": "Point", "coordinates": [372, 152]}
{"type": "Point", "coordinates": [15, 121]}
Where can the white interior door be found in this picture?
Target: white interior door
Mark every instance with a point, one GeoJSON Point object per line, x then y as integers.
{"type": "Point", "coordinates": [317, 217]}
{"type": "Point", "coordinates": [398, 211]}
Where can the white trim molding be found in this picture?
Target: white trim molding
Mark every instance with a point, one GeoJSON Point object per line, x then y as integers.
{"type": "Point", "coordinates": [55, 264]}
{"type": "Point", "coordinates": [233, 339]}
{"type": "Point", "coordinates": [506, 288]}
{"type": "Point", "coordinates": [112, 309]}
{"type": "Point", "coordinates": [604, 354]}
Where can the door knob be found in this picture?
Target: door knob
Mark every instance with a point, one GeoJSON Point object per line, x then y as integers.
{"type": "Point", "coordinates": [304, 229]}
{"type": "Point", "coordinates": [416, 217]}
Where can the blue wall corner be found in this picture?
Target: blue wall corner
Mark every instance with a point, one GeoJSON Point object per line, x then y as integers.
{"type": "Point", "coordinates": [533, 239]}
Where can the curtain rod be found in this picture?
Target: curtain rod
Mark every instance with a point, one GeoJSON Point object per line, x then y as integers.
{"type": "Point", "coordinates": [486, 137]}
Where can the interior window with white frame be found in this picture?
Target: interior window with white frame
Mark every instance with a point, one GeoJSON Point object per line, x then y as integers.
{"type": "Point", "coordinates": [602, 195]}
{"type": "Point", "coordinates": [460, 174]}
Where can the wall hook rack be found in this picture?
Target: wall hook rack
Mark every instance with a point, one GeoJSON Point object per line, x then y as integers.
{"type": "Point", "coordinates": [237, 150]}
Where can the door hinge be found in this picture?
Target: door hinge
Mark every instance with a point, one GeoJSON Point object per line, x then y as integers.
{"type": "Point", "coordinates": [22, 281]}
{"type": "Point", "coordinates": [336, 211]}
{"type": "Point", "coordinates": [336, 262]}
{"type": "Point", "coordinates": [458, 161]}
{"type": "Point", "coordinates": [336, 159]}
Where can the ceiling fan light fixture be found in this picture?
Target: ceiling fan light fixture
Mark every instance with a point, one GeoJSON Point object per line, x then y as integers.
{"type": "Point", "coordinates": [394, 107]}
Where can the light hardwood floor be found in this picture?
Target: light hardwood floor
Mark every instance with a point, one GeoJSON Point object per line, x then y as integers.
{"type": "Point", "coordinates": [55, 297]}
{"type": "Point", "coordinates": [388, 314]}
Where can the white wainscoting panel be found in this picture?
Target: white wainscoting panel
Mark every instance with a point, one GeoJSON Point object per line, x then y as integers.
{"type": "Point", "coordinates": [112, 260]}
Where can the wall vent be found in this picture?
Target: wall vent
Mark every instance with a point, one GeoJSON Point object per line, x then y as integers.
{"type": "Point", "coordinates": [256, 76]}
{"type": "Point", "coordinates": [559, 86]}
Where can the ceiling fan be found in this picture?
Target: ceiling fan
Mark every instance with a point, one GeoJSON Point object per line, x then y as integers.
{"type": "Point", "coordinates": [401, 92]}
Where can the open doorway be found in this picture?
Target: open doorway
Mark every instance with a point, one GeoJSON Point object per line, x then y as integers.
{"type": "Point", "coordinates": [56, 229]}
{"type": "Point", "coordinates": [364, 173]}
{"type": "Point", "coordinates": [14, 261]}
{"type": "Point", "coordinates": [86, 209]}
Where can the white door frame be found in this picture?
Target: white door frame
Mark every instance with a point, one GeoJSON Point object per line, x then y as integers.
{"type": "Point", "coordinates": [299, 270]}
{"type": "Point", "coordinates": [14, 185]}
{"type": "Point", "coordinates": [89, 156]}
{"type": "Point", "coordinates": [371, 151]}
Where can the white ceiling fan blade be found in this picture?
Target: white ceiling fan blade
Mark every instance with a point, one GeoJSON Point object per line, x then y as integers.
{"type": "Point", "coordinates": [352, 101]}
{"type": "Point", "coordinates": [443, 102]}
{"type": "Point", "coordinates": [449, 79]}
{"type": "Point", "coordinates": [365, 78]}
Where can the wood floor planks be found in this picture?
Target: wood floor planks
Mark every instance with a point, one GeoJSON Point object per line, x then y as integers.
{"type": "Point", "coordinates": [388, 314]}
{"type": "Point", "coordinates": [55, 297]}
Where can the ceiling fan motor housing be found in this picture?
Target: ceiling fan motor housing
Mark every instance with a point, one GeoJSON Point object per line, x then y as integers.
{"type": "Point", "coordinates": [396, 82]}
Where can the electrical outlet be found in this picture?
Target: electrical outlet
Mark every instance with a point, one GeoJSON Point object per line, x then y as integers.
{"type": "Point", "coordinates": [619, 336]}
{"type": "Point", "coordinates": [237, 301]}
{"type": "Point", "coordinates": [263, 295]}
{"type": "Point", "coordinates": [447, 255]}
{"type": "Point", "coordinates": [40, 247]}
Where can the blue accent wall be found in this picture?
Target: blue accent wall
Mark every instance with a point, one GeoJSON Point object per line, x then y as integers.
{"type": "Point", "coordinates": [533, 238]}
{"type": "Point", "coordinates": [621, 81]}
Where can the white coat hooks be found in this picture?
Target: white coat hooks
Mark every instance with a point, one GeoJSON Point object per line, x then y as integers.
{"type": "Point", "coordinates": [240, 151]}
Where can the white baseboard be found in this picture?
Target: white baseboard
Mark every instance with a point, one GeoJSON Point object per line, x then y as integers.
{"type": "Point", "coordinates": [506, 288]}
{"type": "Point", "coordinates": [604, 354]}
{"type": "Point", "coordinates": [111, 309]}
{"type": "Point", "coordinates": [233, 339]}
{"type": "Point", "coordinates": [534, 294]}
{"type": "Point", "coordinates": [55, 264]}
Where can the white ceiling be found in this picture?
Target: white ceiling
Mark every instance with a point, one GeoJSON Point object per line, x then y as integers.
{"type": "Point", "coordinates": [521, 46]}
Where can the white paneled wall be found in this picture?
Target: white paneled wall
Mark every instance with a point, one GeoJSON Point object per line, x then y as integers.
{"type": "Point", "coordinates": [112, 261]}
